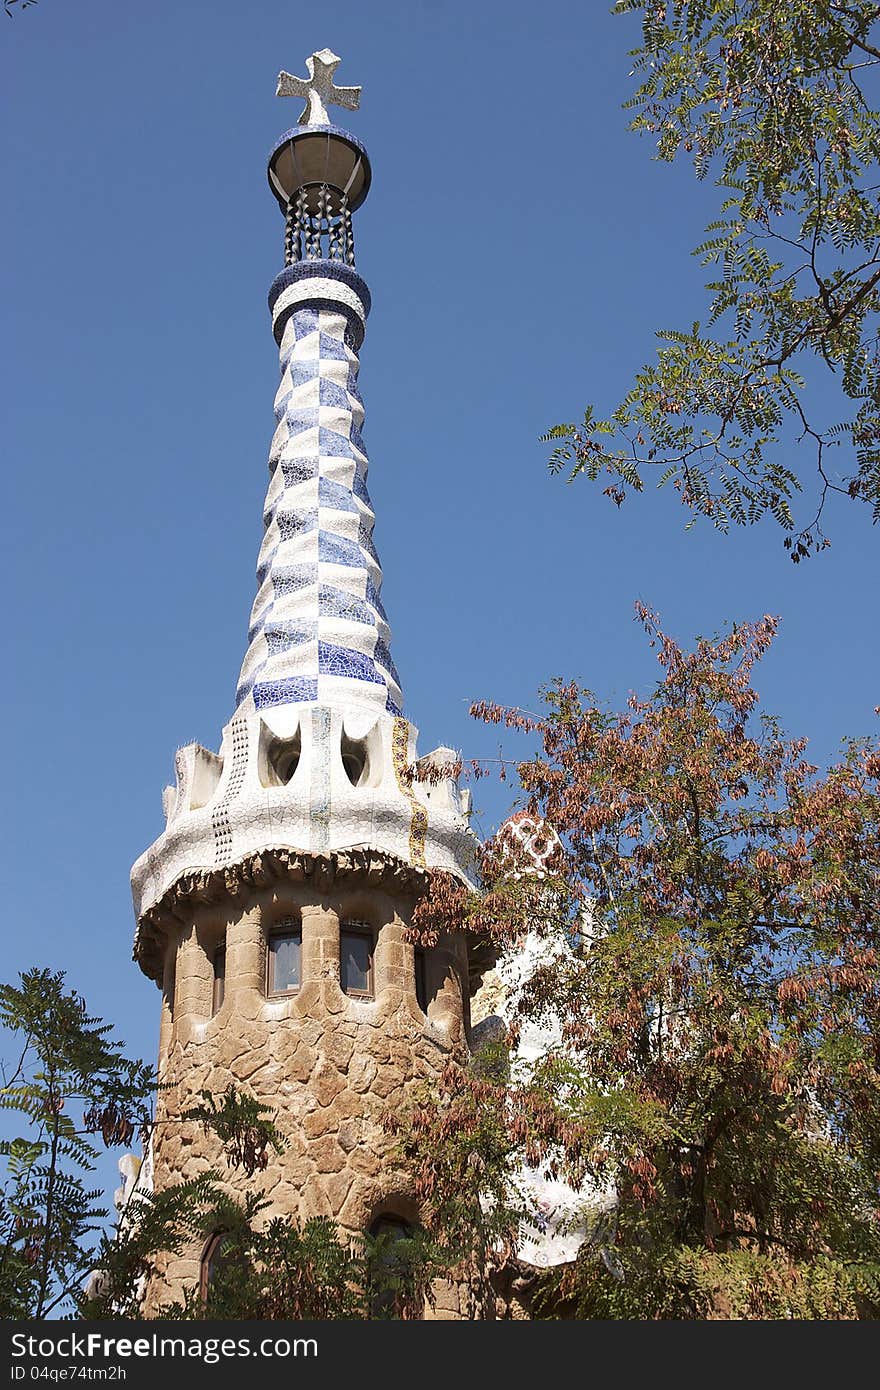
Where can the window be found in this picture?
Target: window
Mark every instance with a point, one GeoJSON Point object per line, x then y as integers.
{"type": "Point", "coordinates": [219, 979]}
{"type": "Point", "coordinates": [169, 983]}
{"type": "Point", "coordinates": [393, 1252]}
{"type": "Point", "coordinates": [283, 974]}
{"type": "Point", "coordinates": [356, 959]}
{"type": "Point", "coordinates": [220, 1256]}
{"type": "Point", "coordinates": [422, 978]}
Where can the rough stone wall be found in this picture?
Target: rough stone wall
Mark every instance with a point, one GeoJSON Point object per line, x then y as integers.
{"type": "Point", "coordinates": [330, 1066]}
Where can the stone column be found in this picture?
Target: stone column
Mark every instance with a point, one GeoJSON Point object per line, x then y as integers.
{"type": "Point", "coordinates": [447, 964]}
{"type": "Point", "coordinates": [245, 962]}
{"type": "Point", "coordinates": [320, 943]}
{"type": "Point", "coordinates": [389, 964]}
{"type": "Point", "coordinates": [195, 980]}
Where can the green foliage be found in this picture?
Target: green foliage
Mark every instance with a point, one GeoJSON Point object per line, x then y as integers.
{"type": "Point", "coordinates": [777, 102]}
{"type": "Point", "coordinates": [680, 1282]}
{"type": "Point", "coordinates": [399, 1267]}
{"type": "Point", "coordinates": [279, 1271]}
{"type": "Point", "coordinates": [66, 1062]}
{"type": "Point", "coordinates": [243, 1126]}
{"type": "Point", "coordinates": [153, 1224]}
{"type": "Point", "coordinates": [56, 1253]}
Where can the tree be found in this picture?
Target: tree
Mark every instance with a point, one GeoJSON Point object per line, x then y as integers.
{"type": "Point", "coordinates": [73, 1086]}
{"type": "Point", "coordinates": [49, 1218]}
{"type": "Point", "coordinates": [776, 102]}
{"type": "Point", "coordinates": [716, 1095]}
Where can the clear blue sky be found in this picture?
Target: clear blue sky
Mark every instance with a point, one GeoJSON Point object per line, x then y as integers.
{"type": "Point", "coordinates": [520, 246]}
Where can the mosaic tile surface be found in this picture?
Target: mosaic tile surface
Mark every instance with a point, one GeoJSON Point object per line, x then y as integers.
{"type": "Point", "coordinates": [318, 665]}
{"type": "Point", "coordinates": [317, 619]}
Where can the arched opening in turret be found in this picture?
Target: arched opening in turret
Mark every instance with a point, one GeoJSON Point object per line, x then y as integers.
{"type": "Point", "coordinates": [279, 758]}
{"type": "Point", "coordinates": [286, 758]}
{"type": "Point", "coordinates": [361, 751]}
{"type": "Point", "coordinates": [356, 761]}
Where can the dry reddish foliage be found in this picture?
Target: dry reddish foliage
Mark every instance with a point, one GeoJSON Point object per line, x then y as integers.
{"type": "Point", "coordinates": [720, 1070]}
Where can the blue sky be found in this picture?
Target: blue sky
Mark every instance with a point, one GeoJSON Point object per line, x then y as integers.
{"type": "Point", "coordinates": [521, 248]}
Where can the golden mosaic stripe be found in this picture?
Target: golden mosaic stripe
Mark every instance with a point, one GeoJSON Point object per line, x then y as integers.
{"type": "Point", "coordinates": [418, 827]}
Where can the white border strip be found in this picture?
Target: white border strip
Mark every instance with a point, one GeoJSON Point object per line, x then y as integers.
{"type": "Point", "coordinates": [318, 288]}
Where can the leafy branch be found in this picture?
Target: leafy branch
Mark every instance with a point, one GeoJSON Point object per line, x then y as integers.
{"type": "Point", "coordinates": [768, 99]}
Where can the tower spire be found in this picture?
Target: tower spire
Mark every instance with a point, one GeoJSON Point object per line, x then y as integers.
{"type": "Point", "coordinates": [318, 629]}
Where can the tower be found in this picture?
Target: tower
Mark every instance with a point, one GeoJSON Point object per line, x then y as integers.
{"type": "Point", "coordinates": [272, 909]}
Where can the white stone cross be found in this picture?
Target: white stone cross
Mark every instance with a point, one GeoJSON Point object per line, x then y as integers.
{"type": "Point", "coordinates": [318, 91]}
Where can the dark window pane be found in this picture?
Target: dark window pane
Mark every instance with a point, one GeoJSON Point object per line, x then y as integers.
{"type": "Point", "coordinates": [422, 979]}
{"type": "Point", "coordinates": [169, 991]}
{"type": "Point", "coordinates": [355, 962]}
{"type": "Point", "coordinates": [218, 1256]}
{"type": "Point", "coordinates": [219, 977]}
{"type": "Point", "coordinates": [284, 962]}
{"type": "Point", "coordinates": [219, 1261]}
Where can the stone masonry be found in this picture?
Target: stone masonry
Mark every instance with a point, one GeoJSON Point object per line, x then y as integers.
{"type": "Point", "coordinates": [330, 1067]}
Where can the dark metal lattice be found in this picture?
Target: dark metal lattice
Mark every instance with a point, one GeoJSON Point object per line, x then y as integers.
{"type": "Point", "coordinates": [318, 227]}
